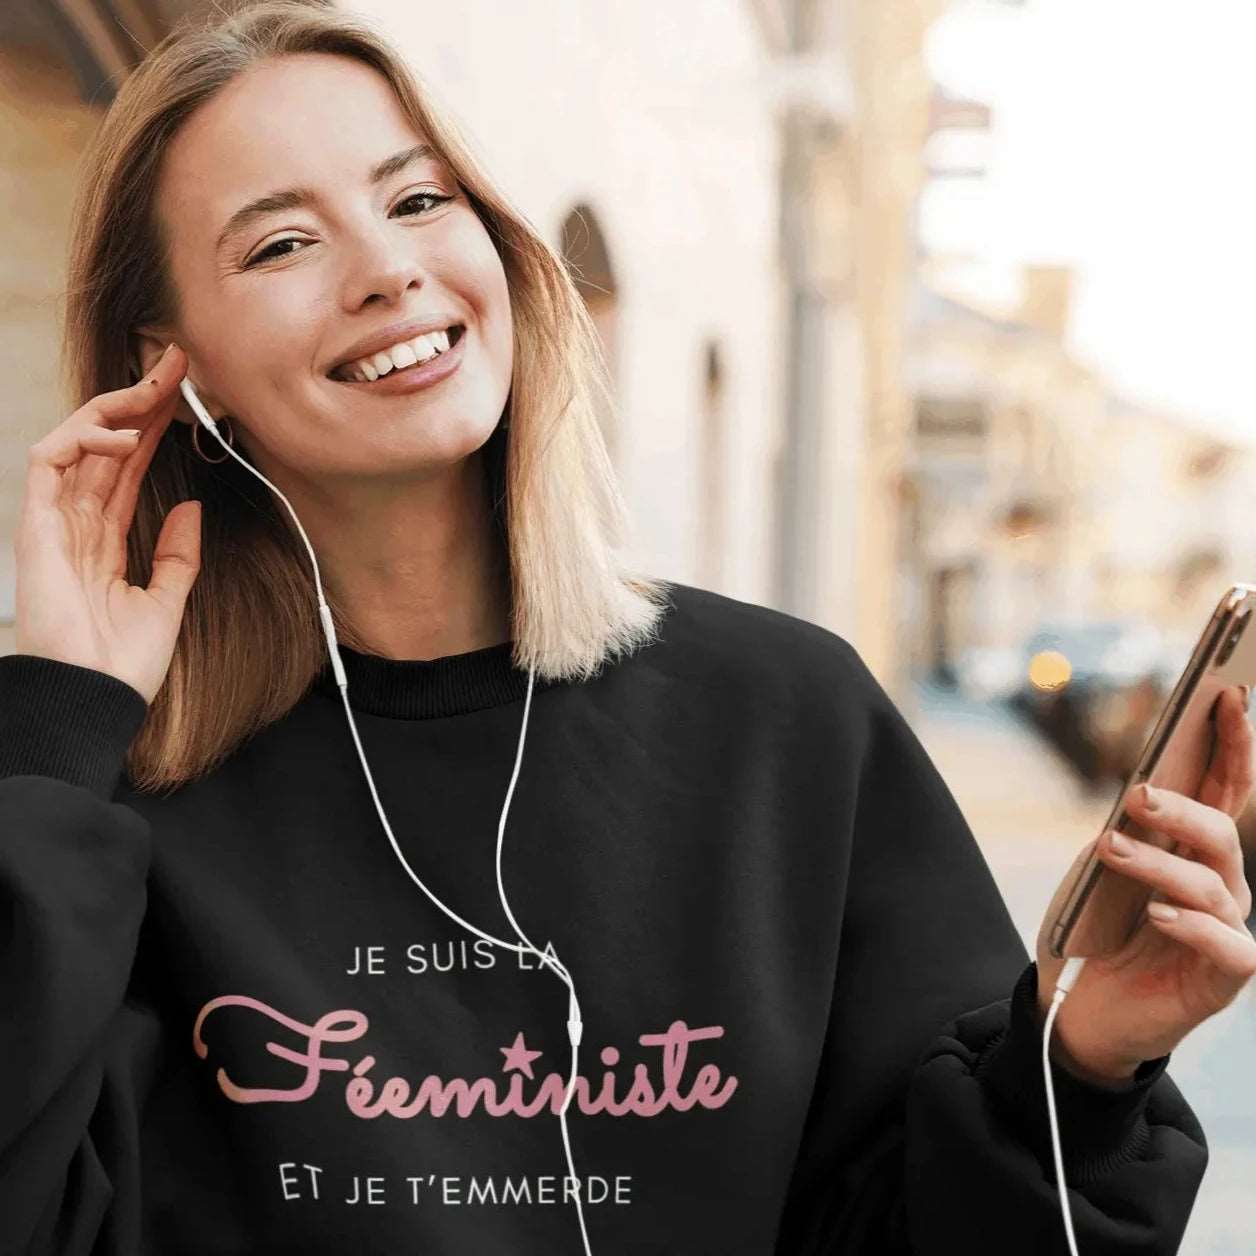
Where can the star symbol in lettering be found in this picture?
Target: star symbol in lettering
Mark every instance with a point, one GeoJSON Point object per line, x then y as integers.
{"type": "Point", "coordinates": [518, 1056]}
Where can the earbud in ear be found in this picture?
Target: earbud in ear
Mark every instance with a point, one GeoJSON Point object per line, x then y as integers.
{"type": "Point", "coordinates": [188, 390]}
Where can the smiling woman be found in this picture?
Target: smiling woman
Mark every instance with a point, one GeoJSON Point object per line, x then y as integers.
{"type": "Point", "coordinates": [387, 340]}
{"type": "Point", "coordinates": [811, 1024]}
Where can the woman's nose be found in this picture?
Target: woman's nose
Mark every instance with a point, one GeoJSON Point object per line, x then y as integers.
{"type": "Point", "coordinates": [379, 269]}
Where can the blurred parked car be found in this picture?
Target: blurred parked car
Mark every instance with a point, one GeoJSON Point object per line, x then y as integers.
{"type": "Point", "coordinates": [989, 673]}
{"type": "Point", "coordinates": [1095, 690]}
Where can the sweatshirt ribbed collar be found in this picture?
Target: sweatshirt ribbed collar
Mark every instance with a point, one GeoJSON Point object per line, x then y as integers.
{"type": "Point", "coordinates": [418, 689]}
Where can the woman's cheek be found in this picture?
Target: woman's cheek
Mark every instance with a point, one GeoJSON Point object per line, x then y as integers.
{"type": "Point", "coordinates": [493, 307]}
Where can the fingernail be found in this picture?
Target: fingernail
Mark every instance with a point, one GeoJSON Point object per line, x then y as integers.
{"type": "Point", "coordinates": [166, 351]}
{"type": "Point", "coordinates": [1120, 845]}
{"type": "Point", "coordinates": [128, 431]}
{"type": "Point", "coordinates": [1162, 911]}
{"type": "Point", "coordinates": [1151, 798]}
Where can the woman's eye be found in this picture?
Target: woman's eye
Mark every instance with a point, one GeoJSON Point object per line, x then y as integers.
{"type": "Point", "coordinates": [272, 250]}
{"type": "Point", "coordinates": [269, 251]}
{"type": "Point", "coordinates": [423, 196]}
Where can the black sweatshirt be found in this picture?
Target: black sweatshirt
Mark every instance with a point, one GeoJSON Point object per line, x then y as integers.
{"type": "Point", "coordinates": [233, 1024]}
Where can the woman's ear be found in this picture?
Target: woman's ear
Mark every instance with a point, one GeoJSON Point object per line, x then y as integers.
{"type": "Point", "coordinates": [150, 344]}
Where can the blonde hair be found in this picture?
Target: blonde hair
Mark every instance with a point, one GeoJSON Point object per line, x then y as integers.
{"type": "Point", "coordinates": [250, 643]}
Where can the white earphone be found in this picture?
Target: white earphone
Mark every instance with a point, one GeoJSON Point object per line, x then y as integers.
{"type": "Point", "coordinates": [1064, 983]}
{"type": "Point", "coordinates": [574, 1024]}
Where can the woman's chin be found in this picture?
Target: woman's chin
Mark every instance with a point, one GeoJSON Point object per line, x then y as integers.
{"type": "Point", "coordinates": [409, 453]}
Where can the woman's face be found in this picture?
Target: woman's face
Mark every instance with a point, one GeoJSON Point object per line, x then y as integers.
{"type": "Point", "coordinates": [309, 233]}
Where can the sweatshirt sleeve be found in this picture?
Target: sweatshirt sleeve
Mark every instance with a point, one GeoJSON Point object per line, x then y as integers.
{"type": "Point", "coordinates": [73, 867]}
{"type": "Point", "coordinates": [927, 1133]}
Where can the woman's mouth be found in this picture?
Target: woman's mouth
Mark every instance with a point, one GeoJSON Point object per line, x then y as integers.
{"type": "Point", "coordinates": [407, 365]}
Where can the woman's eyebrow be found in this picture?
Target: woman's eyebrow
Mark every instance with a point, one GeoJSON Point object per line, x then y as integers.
{"type": "Point", "coordinates": [295, 198]}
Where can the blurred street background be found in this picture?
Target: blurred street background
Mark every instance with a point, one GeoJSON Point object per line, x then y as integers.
{"type": "Point", "coordinates": [924, 321]}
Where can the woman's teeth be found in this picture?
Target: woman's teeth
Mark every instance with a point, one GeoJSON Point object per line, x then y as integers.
{"type": "Point", "coordinates": [399, 356]}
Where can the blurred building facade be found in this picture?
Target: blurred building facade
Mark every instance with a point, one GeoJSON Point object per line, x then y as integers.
{"type": "Point", "coordinates": [44, 126]}
{"type": "Point", "coordinates": [1004, 437]}
{"type": "Point", "coordinates": [1035, 494]}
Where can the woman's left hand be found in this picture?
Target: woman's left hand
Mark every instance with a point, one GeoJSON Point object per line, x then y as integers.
{"type": "Point", "coordinates": [1140, 1002]}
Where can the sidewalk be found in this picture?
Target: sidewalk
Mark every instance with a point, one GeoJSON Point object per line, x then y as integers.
{"type": "Point", "coordinates": [1020, 799]}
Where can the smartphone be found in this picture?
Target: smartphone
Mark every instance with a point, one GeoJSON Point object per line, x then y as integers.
{"type": "Point", "coordinates": [1101, 909]}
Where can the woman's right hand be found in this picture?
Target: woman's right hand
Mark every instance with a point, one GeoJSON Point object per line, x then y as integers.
{"type": "Point", "coordinates": [73, 601]}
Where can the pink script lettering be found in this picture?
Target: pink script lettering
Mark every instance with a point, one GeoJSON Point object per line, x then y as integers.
{"type": "Point", "coordinates": [395, 1097]}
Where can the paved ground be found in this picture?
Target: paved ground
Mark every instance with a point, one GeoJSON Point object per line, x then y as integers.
{"type": "Point", "coordinates": [1031, 818]}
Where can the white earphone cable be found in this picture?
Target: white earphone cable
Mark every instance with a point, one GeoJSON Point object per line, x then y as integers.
{"type": "Point", "coordinates": [575, 1026]}
{"type": "Point", "coordinates": [1067, 979]}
